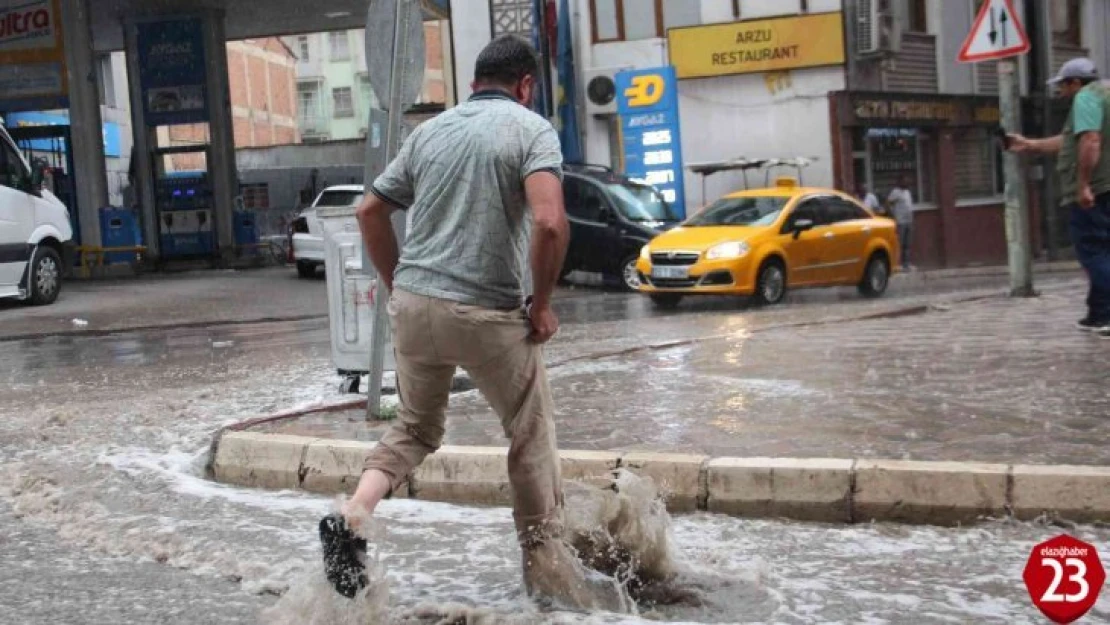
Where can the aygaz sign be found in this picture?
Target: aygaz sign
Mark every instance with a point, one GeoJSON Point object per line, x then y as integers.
{"type": "Point", "coordinates": [757, 45]}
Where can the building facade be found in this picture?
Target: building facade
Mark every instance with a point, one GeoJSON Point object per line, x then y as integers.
{"type": "Point", "coordinates": [334, 95]}
{"type": "Point", "coordinates": [910, 108]}
{"type": "Point", "coordinates": [262, 81]}
{"type": "Point", "coordinates": [893, 102]}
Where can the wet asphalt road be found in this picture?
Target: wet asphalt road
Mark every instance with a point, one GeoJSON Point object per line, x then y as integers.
{"type": "Point", "coordinates": [189, 320]}
{"type": "Point", "coordinates": [105, 517]}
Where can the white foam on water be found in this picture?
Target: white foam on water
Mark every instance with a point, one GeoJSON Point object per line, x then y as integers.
{"type": "Point", "coordinates": [120, 476]}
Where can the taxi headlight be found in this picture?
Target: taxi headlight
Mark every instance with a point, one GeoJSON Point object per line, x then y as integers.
{"type": "Point", "coordinates": [732, 249]}
{"type": "Point", "coordinates": [645, 253]}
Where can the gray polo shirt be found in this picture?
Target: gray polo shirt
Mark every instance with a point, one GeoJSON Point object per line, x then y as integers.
{"type": "Point", "coordinates": [461, 178]}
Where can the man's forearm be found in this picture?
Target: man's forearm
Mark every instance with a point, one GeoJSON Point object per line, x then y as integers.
{"type": "Point", "coordinates": [1090, 148]}
{"type": "Point", "coordinates": [377, 233]}
{"type": "Point", "coordinates": [1048, 145]}
{"type": "Point", "coordinates": [549, 250]}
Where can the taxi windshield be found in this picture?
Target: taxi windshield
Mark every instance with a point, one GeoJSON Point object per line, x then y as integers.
{"type": "Point", "coordinates": [640, 202]}
{"type": "Point", "coordinates": [740, 211]}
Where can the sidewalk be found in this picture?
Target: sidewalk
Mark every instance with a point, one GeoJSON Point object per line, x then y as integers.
{"type": "Point", "coordinates": [992, 380]}
{"type": "Point", "coordinates": [231, 297]}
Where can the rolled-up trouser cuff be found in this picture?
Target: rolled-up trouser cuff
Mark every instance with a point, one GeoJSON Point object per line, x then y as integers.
{"type": "Point", "coordinates": [385, 459]}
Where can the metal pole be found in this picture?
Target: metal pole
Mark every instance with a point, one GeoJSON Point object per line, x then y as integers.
{"type": "Point", "coordinates": [1048, 187]}
{"type": "Point", "coordinates": [1017, 214]}
{"type": "Point", "coordinates": [392, 146]}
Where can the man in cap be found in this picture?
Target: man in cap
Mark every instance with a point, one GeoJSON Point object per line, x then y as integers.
{"type": "Point", "coordinates": [1083, 164]}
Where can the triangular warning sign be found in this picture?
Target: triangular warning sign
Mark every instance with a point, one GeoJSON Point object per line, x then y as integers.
{"type": "Point", "coordinates": [997, 34]}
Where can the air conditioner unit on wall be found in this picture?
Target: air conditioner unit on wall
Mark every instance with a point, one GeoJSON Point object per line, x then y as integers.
{"type": "Point", "coordinates": [878, 29]}
{"type": "Point", "coordinates": [601, 90]}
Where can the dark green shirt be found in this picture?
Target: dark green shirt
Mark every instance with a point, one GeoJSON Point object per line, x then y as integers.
{"type": "Point", "coordinates": [1090, 112]}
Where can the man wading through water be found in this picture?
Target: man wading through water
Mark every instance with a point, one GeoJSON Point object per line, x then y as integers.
{"type": "Point", "coordinates": [479, 182]}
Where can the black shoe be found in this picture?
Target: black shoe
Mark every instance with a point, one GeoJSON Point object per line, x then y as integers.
{"type": "Point", "coordinates": [1087, 324]}
{"type": "Point", "coordinates": [344, 556]}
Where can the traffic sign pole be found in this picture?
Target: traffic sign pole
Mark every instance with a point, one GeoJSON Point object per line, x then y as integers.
{"type": "Point", "coordinates": [997, 34]}
{"type": "Point", "coordinates": [405, 74]}
{"type": "Point", "coordinates": [1018, 247]}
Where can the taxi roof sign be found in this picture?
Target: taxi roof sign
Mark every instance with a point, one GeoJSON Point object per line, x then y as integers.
{"type": "Point", "coordinates": [996, 34]}
{"type": "Point", "coordinates": [786, 182]}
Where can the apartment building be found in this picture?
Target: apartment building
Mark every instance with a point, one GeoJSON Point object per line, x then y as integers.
{"type": "Point", "coordinates": [334, 96]}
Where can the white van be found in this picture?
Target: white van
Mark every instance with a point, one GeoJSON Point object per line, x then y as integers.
{"type": "Point", "coordinates": [35, 231]}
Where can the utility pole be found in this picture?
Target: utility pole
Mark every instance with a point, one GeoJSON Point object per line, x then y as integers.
{"type": "Point", "coordinates": [1048, 182]}
{"type": "Point", "coordinates": [1017, 203]}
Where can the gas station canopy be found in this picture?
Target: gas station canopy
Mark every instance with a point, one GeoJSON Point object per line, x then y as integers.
{"type": "Point", "coordinates": [243, 19]}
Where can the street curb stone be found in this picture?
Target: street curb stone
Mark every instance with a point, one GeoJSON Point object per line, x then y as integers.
{"type": "Point", "coordinates": [335, 466]}
{"type": "Point", "coordinates": [938, 493]}
{"type": "Point", "coordinates": [590, 467]}
{"type": "Point", "coordinates": [804, 489]}
{"type": "Point", "coordinates": [678, 476]}
{"type": "Point", "coordinates": [260, 460]}
{"type": "Point", "coordinates": [1075, 493]}
{"type": "Point", "coordinates": [476, 475]}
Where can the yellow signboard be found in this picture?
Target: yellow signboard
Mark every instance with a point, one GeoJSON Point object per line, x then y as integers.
{"type": "Point", "coordinates": [757, 45]}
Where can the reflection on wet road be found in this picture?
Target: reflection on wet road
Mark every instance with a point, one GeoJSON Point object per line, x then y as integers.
{"type": "Point", "coordinates": [107, 519]}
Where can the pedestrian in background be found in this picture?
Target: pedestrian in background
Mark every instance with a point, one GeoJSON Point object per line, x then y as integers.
{"type": "Point", "coordinates": [1083, 165]}
{"type": "Point", "coordinates": [868, 199]}
{"type": "Point", "coordinates": [900, 205]}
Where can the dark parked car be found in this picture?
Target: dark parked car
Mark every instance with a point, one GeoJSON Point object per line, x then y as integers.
{"type": "Point", "coordinates": [611, 218]}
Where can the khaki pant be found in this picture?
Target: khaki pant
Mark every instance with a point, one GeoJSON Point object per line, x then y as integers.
{"type": "Point", "coordinates": [431, 337]}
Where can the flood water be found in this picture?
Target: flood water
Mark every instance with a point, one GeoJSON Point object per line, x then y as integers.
{"type": "Point", "coordinates": [105, 518]}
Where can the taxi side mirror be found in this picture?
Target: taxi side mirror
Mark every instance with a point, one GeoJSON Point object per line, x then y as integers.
{"type": "Point", "coordinates": [800, 226]}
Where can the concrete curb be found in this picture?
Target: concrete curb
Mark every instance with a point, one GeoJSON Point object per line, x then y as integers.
{"type": "Point", "coordinates": [806, 489]}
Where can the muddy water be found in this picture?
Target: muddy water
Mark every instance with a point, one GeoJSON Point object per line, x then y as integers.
{"type": "Point", "coordinates": [105, 518]}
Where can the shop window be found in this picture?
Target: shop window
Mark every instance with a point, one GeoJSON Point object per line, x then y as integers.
{"type": "Point", "coordinates": [977, 165]}
{"type": "Point", "coordinates": [630, 20]}
{"type": "Point", "coordinates": [343, 105]}
{"type": "Point", "coordinates": [1065, 23]}
{"type": "Point", "coordinates": [896, 152]}
{"type": "Point", "coordinates": [339, 46]}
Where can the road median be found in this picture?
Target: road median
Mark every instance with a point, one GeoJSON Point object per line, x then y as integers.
{"type": "Point", "coordinates": [805, 489]}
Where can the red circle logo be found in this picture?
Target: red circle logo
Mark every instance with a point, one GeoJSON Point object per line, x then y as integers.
{"type": "Point", "coordinates": [1064, 577]}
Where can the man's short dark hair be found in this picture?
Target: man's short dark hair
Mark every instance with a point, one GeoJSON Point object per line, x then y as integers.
{"type": "Point", "coordinates": [505, 61]}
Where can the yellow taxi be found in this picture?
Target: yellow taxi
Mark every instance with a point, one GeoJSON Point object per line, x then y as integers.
{"type": "Point", "coordinates": [762, 242]}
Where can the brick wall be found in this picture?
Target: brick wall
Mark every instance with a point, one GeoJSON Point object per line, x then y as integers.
{"type": "Point", "coordinates": [262, 80]}
{"type": "Point", "coordinates": [237, 74]}
{"type": "Point", "coordinates": [257, 76]}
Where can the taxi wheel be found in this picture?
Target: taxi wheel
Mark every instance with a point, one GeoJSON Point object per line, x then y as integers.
{"type": "Point", "coordinates": [876, 277]}
{"type": "Point", "coordinates": [770, 288]}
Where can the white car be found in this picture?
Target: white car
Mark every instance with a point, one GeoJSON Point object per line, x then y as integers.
{"type": "Point", "coordinates": [35, 232]}
{"type": "Point", "coordinates": [308, 235]}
